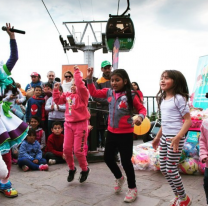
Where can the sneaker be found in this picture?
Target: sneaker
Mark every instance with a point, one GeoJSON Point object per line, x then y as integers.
{"type": "Point", "coordinates": [119, 184]}
{"type": "Point", "coordinates": [43, 167]}
{"type": "Point", "coordinates": [5, 186]}
{"type": "Point", "coordinates": [131, 195]}
{"type": "Point", "coordinates": [9, 192]}
{"type": "Point", "coordinates": [71, 175]}
{"type": "Point", "coordinates": [102, 149]}
{"type": "Point", "coordinates": [182, 202]}
{"type": "Point", "coordinates": [83, 175]}
{"type": "Point", "coordinates": [174, 201]}
{"type": "Point", "coordinates": [25, 168]}
{"type": "Point", "coordinates": [51, 162]}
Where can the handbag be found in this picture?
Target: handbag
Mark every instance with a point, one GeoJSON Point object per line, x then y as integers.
{"type": "Point", "coordinates": [29, 92]}
{"type": "Point", "coordinates": [16, 109]}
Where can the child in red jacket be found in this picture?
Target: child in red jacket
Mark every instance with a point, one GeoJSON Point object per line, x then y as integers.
{"type": "Point", "coordinates": [76, 123]}
{"type": "Point", "coordinates": [122, 101]}
{"type": "Point", "coordinates": [54, 148]}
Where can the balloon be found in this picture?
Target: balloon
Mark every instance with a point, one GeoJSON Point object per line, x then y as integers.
{"type": "Point", "coordinates": [142, 160]}
{"type": "Point", "coordinates": [133, 160]}
{"type": "Point", "coordinates": [143, 128]}
{"type": "Point", "coordinates": [202, 167]}
{"type": "Point", "coordinates": [190, 149]}
{"type": "Point", "coordinates": [157, 161]}
{"type": "Point", "coordinates": [189, 166]}
{"type": "Point", "coordinates": [183, 156]}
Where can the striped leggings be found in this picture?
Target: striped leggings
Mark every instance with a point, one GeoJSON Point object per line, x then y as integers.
{"type": "Point", "coordinates": [169, 164]}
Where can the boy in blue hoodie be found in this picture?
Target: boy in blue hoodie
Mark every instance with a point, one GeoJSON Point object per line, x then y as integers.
{"type": "Point", "coordinates": [36, 105]}
{"type": "Point", "coordinates": [30, 154]}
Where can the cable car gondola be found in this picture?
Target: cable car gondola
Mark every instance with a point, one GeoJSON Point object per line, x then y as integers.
{"type": "Point", "coordinates": [121, 27]}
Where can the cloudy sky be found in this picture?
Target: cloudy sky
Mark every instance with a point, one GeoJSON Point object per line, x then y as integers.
{"type": "Point", "coordinates": [170, 34]}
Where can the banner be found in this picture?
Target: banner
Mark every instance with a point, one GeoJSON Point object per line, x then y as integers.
{"type": "Point", "coordinates": [115, 54]}
{"type": "Point", "coordinates": [198, 98]}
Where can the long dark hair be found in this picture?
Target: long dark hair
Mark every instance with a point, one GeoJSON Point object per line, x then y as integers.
{"type": "Point", "coordinates": [127, 87]}
{"type": "Point", "coordinates": [14, 88]}
{"type": "Point", "coordinates": [136, 85]}
{"type": "Point", "coordinates": [179, 86]}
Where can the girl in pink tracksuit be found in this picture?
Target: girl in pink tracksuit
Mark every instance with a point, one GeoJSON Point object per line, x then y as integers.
{"type": "Point", "coordinates": [76, 124]}
{"type": "Point", "coordinates": [203, 153]}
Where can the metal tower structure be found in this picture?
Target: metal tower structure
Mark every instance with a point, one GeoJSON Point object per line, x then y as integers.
{"type": "Point", "coordinates": [82, 46]}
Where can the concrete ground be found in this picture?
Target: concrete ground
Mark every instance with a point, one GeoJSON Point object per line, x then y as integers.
{"type": "Point", "coordinates": [50, 188]}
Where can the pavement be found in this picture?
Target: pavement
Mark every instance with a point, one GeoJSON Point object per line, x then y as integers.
{"type": "Point", "coordinates": [50, 188]}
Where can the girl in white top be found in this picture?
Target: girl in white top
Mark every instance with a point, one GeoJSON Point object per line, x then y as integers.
{"type": "Point", "coordinates": [172, 101]}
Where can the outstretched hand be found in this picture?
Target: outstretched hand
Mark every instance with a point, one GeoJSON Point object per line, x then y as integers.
{"type": "Point", "coordinates": [75, 67]}
{"type": "Point", "coordinates": [11, 34]}
{"type": "Point", "coordinates": [89, 72]}
{"type": "Point", "coordinates": [56, 85]}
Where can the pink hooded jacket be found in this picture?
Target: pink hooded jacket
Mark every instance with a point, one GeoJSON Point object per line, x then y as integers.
{"type": "Point", "coordinates": [203, 142]}
{"type": "Point", "coordinates": [76, 103]}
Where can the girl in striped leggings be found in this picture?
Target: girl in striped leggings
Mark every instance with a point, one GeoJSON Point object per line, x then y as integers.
{"type": "Point", "coordinates": [172, 101]}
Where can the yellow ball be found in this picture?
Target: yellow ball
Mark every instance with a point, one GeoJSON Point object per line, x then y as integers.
{"type": "Point", "coordinates": [143, 128]}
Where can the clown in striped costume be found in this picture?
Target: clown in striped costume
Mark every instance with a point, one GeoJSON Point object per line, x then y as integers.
{"type": "Point", "coordinates": [12, 129]}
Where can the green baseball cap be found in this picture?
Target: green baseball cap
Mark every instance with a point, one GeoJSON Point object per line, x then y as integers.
{"type": "Point", "coordinates": [105, 63]}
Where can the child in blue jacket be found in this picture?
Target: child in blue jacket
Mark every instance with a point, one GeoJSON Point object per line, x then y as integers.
{"type": "Point", "coordinates": [30, 154]}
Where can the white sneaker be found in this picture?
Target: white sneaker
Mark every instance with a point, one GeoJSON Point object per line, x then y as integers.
{"type": "Point", "coordinates": [119, 184]}
{"type": "Point", "coordinates": [174, 201]}
{"type": "Point", "coordinates": [51, 162]}
{"type": "Point", "coordinates": [131, 195]}
{"type": "Point", "coordinates": [102, 149]}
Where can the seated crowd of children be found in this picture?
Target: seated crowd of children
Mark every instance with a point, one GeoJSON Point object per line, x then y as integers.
{"type": "Point", "coordinates": [44, 143]}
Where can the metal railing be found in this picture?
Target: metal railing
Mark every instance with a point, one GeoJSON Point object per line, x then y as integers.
{"type": "Point", "coordinates": [151, 104]}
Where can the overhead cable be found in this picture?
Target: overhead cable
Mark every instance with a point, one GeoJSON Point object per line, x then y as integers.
{"type": "Point", "coordinates": [51, 17]}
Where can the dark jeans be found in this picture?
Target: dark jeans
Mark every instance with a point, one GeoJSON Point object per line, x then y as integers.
{"type": "Point", "coordinates": [124, 144]}
{"type": "Point", "coordinates": [50, 155]}
{"type": "Point", "coordinates": [25, 161]}
{"type": "Point", "coordinates": [50, 122]}
{"type": "Point", "coordinates": [101, 138]}
{"type": "Point", "coordinates": [206, 183]}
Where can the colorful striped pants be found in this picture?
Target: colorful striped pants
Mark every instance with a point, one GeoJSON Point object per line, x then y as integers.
{"type": "Point", "coordinates": [169, 164]}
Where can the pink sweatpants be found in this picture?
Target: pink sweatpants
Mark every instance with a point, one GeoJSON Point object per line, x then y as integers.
{"type": "Point", "coordinates": [75, 137]}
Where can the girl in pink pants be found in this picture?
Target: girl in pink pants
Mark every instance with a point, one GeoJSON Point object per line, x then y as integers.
{"type": "Point", "coordinates": [76, 124]}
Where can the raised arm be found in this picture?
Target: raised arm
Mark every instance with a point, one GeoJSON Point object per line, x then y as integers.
{"type": "Point", "coordinates": [81, 88]}
{"type": "Point", "coordinates": [102, 93]}
{"type": "Point", "coordinates": [57, 98]}
{"type": "Point", "coordinates": [14, 52]}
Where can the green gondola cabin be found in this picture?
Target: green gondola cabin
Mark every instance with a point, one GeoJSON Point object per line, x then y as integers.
{"type": "Point", "coordinates": [123, 28]}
